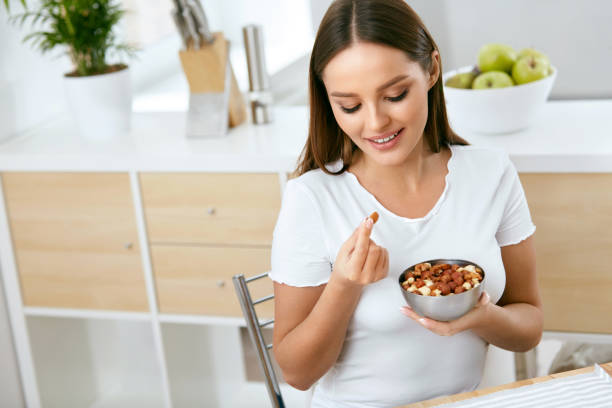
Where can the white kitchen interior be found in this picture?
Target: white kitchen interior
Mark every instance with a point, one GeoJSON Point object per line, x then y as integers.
{"type": "Point", "coordinates": [169, 357]}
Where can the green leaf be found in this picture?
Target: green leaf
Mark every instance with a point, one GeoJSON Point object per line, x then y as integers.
{"type": "Point", "coordinates": [84, 29]}
{"type": "Point", "coordinates": [8, 6]}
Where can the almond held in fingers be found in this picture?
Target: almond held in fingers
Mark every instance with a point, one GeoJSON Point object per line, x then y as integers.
{"type": "Point", "coordinates": [374, 217]}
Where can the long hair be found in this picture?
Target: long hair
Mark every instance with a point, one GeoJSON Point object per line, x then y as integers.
{"type": "Point", "coordinates": [388, 22]}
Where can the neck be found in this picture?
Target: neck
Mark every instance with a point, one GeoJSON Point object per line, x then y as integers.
{"type": "Point", "coordinates": [407, 177]}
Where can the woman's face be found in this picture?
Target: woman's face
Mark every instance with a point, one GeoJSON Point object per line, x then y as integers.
{"type": "Point", "coordinates": [379, 99]}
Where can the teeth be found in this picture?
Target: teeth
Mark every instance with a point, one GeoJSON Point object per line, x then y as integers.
{"type": "Point", "coordinates": [386, 139]}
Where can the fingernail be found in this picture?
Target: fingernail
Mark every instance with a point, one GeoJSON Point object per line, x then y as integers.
{"type": "Point", "coordinates": [423, 322]}
{"type": "Point", "coordinates": [369, 222]}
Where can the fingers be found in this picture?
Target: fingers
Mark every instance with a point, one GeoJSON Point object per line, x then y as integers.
{"type": "Point", "coordinates": [364, 261]}
{"type": "Point", "coordinates": [349, 244]}
{"type": "Point", "coordinates": [440, 328]}
{"type": "Point", "coordinates": [470, 320]}
{"type": "Point", "coordinates": [352, 240]}
{"type": "Point", "coordinates": [382, 267]}
{"type": "Point", "coordinates": [370, 268]}
{"type": "Point", "coordinates": [363, 243]}
{"type": "Point", "coordinates": [484, 299]}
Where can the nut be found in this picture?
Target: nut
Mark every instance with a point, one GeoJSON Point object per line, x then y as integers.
{"type": "Point", "coordinates": [441, 279]}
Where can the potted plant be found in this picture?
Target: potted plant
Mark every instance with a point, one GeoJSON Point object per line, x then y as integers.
{"type": "Point", "coordinates": [98, 93]}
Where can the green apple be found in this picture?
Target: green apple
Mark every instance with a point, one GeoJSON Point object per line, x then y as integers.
{"type": "Point", "coordinates": [529, 69]}
{"type": "Point", "coordinates": [492, 79]}
{"type": "Point", "coordinates": [496, 57]}
{"type": "Point", "coordinates": [530, 52]}
{"type": "Point", "coordinates": [463, 80]}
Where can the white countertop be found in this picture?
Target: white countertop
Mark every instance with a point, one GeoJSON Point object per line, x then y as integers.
{"type": "Point", "coordinates": [569, 136]}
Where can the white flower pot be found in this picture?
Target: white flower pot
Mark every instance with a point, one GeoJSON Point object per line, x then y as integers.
{"type": "Point", "coordinates": [101, 105]}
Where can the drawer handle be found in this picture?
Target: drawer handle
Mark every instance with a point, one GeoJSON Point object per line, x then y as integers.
{"type": "Point", "coordinates": [211, 210]}
{"type": "Point", "coordinates": [128, 245]}
{"type": "Point", "coordinates": [220, 283]}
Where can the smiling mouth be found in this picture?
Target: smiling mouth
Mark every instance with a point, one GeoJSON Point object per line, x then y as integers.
{"type": "Point", "coordinates": [386, 139]}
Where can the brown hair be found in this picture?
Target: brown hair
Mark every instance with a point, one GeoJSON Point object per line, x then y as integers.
{"type": "Point", "coordinates": [388, 22]}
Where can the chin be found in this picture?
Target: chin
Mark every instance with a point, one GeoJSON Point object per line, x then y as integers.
{"type": "Point", "coordinates": [396, 157]}
{"type": "Point", "coordinates": [392, 159]}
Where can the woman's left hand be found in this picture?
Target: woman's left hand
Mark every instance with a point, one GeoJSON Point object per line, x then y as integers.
{"type": "Point", "coordinates": [470, 320]}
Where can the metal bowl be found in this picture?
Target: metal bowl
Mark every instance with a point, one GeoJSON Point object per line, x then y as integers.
{"type": "Point", "coordinates": [443, 308]}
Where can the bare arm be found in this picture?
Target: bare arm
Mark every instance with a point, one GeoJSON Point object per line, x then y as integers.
{"type": "Point", "coordinates": [515, 323]}
{"type": "Point", "coordinates": [311, 322]}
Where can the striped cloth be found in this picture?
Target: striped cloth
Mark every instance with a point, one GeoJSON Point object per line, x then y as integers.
{"type": "Point", "coordinates": [590, 390]}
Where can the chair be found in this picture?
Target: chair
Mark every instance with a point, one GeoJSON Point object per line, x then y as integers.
{"type": "Point", "coordinates": [254, 326]}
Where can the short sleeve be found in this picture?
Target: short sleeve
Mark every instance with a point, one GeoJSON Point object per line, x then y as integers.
{"type": "Point", "coordinates": [516, 224]}
{"type": "Point", "coordinates": [299, 251]}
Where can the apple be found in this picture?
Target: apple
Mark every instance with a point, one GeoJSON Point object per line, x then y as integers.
{"type": "Point", "coordinates": [529, 69]}
{"type": "Point", "coordinates": [530, 52]}
{"type": "Point", "coordinates": [496, 57]}
{"type": "Point", "coordinates": [463, 80]}
{"type": "Point", "coordinates": [492, 79]}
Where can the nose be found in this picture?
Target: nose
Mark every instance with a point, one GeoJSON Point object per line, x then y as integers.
{"type": "Point", "coordinates": [378, 119]}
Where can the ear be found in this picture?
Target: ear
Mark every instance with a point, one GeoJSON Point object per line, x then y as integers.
{"type": "Point", "coordinates": [434, 71]}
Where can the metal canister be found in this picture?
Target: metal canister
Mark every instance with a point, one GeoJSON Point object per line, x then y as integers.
{"type": "Point", "coordinates": [260, 97]}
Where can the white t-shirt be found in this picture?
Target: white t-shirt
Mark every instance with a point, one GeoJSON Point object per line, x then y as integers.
{"type": "Point", "coordinates": [388, 359]}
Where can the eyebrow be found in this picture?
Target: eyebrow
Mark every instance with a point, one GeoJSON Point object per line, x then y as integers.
{"type": "Point", "coordinates": [380, 88]}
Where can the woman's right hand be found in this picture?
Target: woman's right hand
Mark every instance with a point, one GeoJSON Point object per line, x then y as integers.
{"type": "Point", "coordinates": [360, 261]}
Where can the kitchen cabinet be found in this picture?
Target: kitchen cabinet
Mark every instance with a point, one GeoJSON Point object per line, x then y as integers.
{"type": "Point", "coordinates": [231, 209]}
{"type": "Point", "coordinates": [117, 259]}
{"type": "Point", "coordinates": [573, 215]}
{"type": "Point", "coordinates": [75, 240]}
{"type": "Point", "coordinates": [203, 229]}
{"type": "Point", "coordinates": [196, 279]}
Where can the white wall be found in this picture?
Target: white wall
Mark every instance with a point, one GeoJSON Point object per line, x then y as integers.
{"type": "Point", "coordinates": [31, 89]}
{"type": "Point", "coordinates": [30, 84]}
{"type": "Point", "coordinates": [576, 35]}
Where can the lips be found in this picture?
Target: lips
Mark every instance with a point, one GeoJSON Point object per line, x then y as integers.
{"type": "Point", "coordinates": [385, 135]}
{"type": "Point", "coordinates": [390, 144]}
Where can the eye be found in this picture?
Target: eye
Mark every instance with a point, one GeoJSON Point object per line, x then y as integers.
{"type": "Point", "coordinates": [398, 97]}
{"type": "Point", "coordinates": [350, 110]}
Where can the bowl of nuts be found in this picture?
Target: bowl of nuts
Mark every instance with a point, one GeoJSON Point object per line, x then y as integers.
{"type": "Point", "coordinates": [442, 289]}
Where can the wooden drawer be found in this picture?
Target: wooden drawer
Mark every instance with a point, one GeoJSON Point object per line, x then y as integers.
{"type": "Point", "coordinates": [75, 240]}
{"type": "Point", "coordinates": [573, 216]}
{"type": "Point", "coordinates": [208, 208]}
{"type": "Point", "coordinates": [198, 279]}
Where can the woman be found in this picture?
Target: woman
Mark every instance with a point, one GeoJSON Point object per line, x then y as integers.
{"type": "Point", "coordinates": [379, 140]}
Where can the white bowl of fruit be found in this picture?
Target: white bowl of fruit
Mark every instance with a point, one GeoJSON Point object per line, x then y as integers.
{"type": "Point", "coordinates": [503, 93]}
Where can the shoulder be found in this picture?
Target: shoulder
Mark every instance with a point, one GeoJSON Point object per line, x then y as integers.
{"type": "Point", "coordinates": [481, 160]}
{"type": "Point", "coordinates": [316, 182]}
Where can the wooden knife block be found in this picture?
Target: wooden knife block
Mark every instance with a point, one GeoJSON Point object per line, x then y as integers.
{"type": "Point", "coordinates": [205, 70]}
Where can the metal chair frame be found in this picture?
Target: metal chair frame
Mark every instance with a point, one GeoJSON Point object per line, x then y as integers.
{"type": "Point", "coordinates": [254, 327]}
